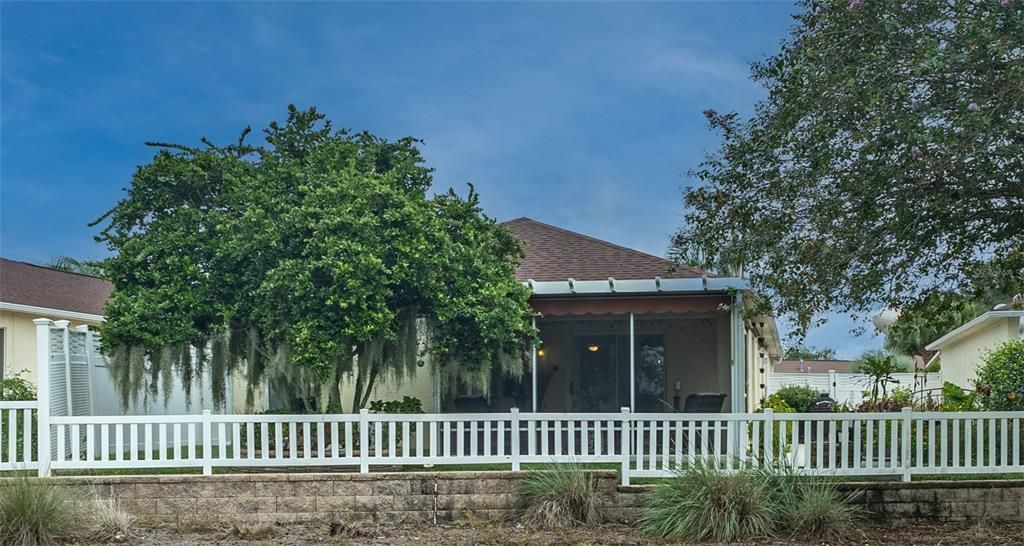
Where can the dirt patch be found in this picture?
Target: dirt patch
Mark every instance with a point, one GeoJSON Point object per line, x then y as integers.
{"type": "Point", "coordinates": [906, 533]}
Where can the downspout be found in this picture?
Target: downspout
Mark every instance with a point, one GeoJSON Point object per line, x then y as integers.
{"type": "Point", "coordinates": [533, 368]}
{"type": "Point", "coordinates": [632, 363]}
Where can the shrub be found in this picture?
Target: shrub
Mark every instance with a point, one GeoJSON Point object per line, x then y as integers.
{"type": "Point", "coordinates": [562, 495]}
{"type": "Point", "coordinates": [955, 398]}
{"type": "Point", "coordinates": [817, 509]}
{"type": "Point", "coordinates": [15, 387]}
{"type": "Point", "coordinates": [407, 404]}
{"type": "Point", "coordinates": [799, 397]}
{"type": "Point", "coordinates": [777, 405]}
{"type": "Point", "coordinates": [703, 503]}
{"type": "Point", "coordinates": [1001, 378]}
{"type": "Point", "coordinates": [34, 512]}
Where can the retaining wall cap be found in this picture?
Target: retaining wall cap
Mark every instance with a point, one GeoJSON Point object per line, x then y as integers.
{"type": "Point", "coordinates": [301, 477]}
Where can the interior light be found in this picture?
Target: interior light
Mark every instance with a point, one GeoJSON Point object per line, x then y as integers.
{"type": "Point", "coordinates": [593, 348]}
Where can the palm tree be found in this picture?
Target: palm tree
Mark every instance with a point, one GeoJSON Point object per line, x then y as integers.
{"type": "Point", "coordinates": [880, 367]}
{"type": "Point", "coordinates": [67, 263]}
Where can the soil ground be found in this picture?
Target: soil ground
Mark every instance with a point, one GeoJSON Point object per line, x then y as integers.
{"type": "Point", "coordinates": [485, 533]}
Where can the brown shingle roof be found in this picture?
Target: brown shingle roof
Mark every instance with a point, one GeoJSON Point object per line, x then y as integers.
{"type": "Point", "coordinates": [556, 254]}
{"type": "Point", "coordinates": [814, 366]}
{"type": "Point", "coordinates": [29, 284]}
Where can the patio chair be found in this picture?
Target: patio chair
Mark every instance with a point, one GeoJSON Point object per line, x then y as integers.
{"type": "Point", "coordinates": [704, 402]}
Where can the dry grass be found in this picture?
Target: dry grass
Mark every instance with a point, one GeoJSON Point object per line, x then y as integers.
{"type": "Point", "coordinates": [107, 522]}
{"type": "Point", "coordinates": [350, 530]}
{"type": "Point", "coordinates": [254, 530]}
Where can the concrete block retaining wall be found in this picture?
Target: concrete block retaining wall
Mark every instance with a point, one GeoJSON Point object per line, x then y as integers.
{"type": "Point", "coordinates": [450, 496]}
{"type": "Point", "coordinates": [391, 497]}
{"type": "Point", "coordinates": [944, 500]}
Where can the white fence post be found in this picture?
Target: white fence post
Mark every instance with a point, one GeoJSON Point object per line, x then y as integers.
{"type": "Point", "coordinates": [515, 439]}
{"type": "Point", "coordinates": [43, 453]}
{"type": "Point", "coordinates": [769, 436]}
{"type": "Point", "coordinates": [364, 441]}
{"type": "Point", "coordinates": [207, 444]}
{"type": "Point", "coordinates": [905, 447]}
{"type": "Point", "coordinates": [627, 447]}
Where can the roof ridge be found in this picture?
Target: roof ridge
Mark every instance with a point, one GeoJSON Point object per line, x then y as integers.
{"type": "Point", "coordinates": [48, 268]}
{"type": "Point", "coordinates": [606, 243]}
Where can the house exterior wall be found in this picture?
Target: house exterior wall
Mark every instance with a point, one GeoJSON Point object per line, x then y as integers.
{"type": "Point", "coordinates": [961, 357]}
{"type": "Point", "coordinates": [20, 342]}
{"type": "Point", "coordinates": [418, 385]}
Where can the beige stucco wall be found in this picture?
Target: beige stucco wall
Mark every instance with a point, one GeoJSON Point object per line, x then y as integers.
{"type": "Point", "coordinates": [20, 342]}
{"type": "Point", "coordinates": [960, 358]}
{"type": "Point", "coordinates": [418, 385]}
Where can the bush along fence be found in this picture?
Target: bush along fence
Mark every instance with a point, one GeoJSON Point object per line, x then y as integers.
{"type": "Point", "coordinates": [643, 445]}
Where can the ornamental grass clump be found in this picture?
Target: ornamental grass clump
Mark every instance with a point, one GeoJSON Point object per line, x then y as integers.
{"type": "Point", "coordinates": [34, 512]}
{"type": "Point", "coordinates": [701, 502]}
{"type": "Point", "coordinates": [561, 496]}
{"type": "Point", "coordinates": [819, 510]}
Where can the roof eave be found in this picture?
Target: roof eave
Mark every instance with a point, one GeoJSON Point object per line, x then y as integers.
{"type": "Point", "coordinates": [657, 285]}
{"type": "Point", "coordinates": [47, 312]}
{"type": "Point", "coordinates": [970, 326]}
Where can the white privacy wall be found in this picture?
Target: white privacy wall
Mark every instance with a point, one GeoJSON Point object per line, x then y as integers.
{"type": "Point", "coordinates": [850, 387]}
{"type": "Point", "coordinates": [80, 384]}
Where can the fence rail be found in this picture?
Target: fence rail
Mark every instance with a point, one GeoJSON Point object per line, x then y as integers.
{"type": "Point", "coordinates": [642, 445]}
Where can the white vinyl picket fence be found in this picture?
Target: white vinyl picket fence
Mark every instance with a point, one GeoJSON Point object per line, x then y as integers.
{"type": "Point", "coordinates": [17, 448]}
{"type": "Point", "coordinates": [848, 388]}
{"type": "Point", "coordinates": [642, 445]}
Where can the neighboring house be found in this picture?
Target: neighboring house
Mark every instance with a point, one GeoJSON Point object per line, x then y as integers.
{"type": "Point", "coordinates": [814, 366]}
{"type": "Point", "coordinates": [29, 292]}
{"type": "Point", "coordinates": [962, 350]}
{"type": "Point", "coordinates": [619, 328]}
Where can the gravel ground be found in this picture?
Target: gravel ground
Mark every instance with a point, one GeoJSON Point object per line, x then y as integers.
{"type": "Point", "coordinates": [915, 533]}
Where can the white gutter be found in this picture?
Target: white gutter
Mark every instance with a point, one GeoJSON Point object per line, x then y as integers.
{"type": "Point", "coordinates": [657, 285]}
{"type": "Point", "coordinates": [50, 313]}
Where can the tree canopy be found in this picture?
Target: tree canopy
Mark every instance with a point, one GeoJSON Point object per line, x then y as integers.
{"type": "Point", "coordinates": [296, 258]}
{"type": "Point", "coordinates": [929, 319]}
{"type": "Point", "coordinates": [809, 353]}
{"type": "Point", "coordinates": [885, 164]}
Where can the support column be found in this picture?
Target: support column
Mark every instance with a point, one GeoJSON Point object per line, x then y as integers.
{"type": "Point", "coordinates": [533, 369]}
{"type": "Point", "coordinates": [739, 356]}
{"type": "Point", "coordinates": [632, 362]}
{"type": "Point", "coordinates": [64, 325]}
{"type": "Point", "coordinates": [43, 455]}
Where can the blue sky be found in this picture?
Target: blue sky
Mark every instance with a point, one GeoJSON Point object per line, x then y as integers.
{"type": "Point", "coordinates": [583, 115]}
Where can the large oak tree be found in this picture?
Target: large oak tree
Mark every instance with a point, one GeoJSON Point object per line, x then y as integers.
{"type": "Point", "coordinates": [886, 164]}
{"type": "Point", "coordinates": [298, 258]}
